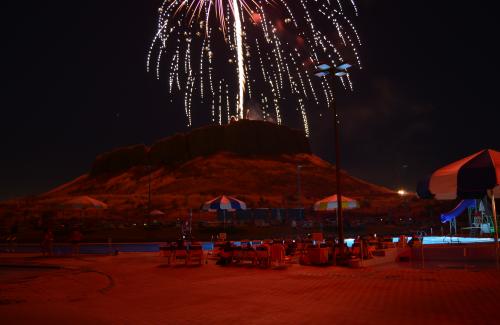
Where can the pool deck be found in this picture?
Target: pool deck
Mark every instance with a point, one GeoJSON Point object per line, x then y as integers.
{"type": "Point", "coordinates": [140, 288]}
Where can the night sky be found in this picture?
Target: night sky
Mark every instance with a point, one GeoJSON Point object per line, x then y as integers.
{"type": "Point", "coordinates": [75, 85]}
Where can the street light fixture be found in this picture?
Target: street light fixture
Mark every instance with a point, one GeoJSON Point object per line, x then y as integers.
{"type": "Point", "coordinates": [339, 71]}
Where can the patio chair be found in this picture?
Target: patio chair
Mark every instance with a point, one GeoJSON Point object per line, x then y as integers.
{"type": "Point", "coordinates": [180, 253]}
{"type": "Point", "coordinates": [195, 254]}
{"type": "Point", "coordinates": [167, 251]}
{"type": "Point", "coordinates": [263, 255]}
{"type": "Point", "coordinates": [226, 255]}
{"type": "Point", "coordinates": [277, 254]}
{"type": "Point", "coordinates": [237, 254]}
{"type": "Point", "coordinates": [248, 254]}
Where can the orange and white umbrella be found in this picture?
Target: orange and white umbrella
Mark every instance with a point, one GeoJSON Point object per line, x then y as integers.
{"type": "Point", "coordinates": [331, 203]}
{"type": "Point", "coordinates": [156, 213]}
{"type": "Point", "coordinates": [84, 202]}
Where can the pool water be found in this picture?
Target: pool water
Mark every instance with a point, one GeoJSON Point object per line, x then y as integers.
{"type": "Point", "coordinates": [104, 248]}
{"type": "Point", "coordinates": [434, 240]}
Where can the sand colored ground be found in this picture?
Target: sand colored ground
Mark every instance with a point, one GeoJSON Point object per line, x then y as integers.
{"type": "Point", "coordinates": [142, 289]}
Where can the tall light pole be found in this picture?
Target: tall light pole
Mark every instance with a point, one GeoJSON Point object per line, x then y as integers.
{"type": "Point", "coordinates": [299, 195]}
{"type": "Point", "coordinates": [339, 71]}
{"type": "Point", "coordinates": [149, 167]}
{"type": "Point", "coordinates": [495, 225]}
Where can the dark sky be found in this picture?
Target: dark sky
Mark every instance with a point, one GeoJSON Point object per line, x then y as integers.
{"type": "Point", "coordinates": [75, 85]}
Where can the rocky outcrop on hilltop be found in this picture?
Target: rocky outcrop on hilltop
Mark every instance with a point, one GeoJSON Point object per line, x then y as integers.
{"type": "Point", "coordinates": [244, 138]}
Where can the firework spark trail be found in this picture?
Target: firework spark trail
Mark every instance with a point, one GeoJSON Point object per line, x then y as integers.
{"type": "Point", "coordinates": [261, 49]}
{"type": "Point", "coordinates": [239, 45]}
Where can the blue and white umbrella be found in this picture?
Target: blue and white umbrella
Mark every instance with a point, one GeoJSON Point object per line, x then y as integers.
{"type": "Point", "coordinates": [226, 203]}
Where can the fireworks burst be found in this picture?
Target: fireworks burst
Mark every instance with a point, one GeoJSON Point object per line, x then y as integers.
{"type": "Point", "coordinates": [263, 50]}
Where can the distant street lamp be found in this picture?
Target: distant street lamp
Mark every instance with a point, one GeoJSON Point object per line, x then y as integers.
{"type": "Point", "coordinates": [339, 71]}
{"type": "Point", "coordinates": [401, 174]}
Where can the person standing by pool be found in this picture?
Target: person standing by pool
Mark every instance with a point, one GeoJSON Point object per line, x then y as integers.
{"type": "Point", "coordinates": [76, 238]}
{"type": "Point", "coordinates": [47, 242]}
{"type": "Point", "coordinates": [12, 238]}
{"type": "Point", "coordinates": [277, 252]}
{"type": "Point", "coordinates": [415, 241]}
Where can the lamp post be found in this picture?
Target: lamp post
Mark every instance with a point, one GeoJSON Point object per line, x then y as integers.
{"type": "Point", "coordinates": [299, 190]}
{"type": "Point", "coordinates": [149, 168]}
{"type": "Point", "coordinates": [339, 71]}
{"type": "Point", "coordinates": [298, 186]}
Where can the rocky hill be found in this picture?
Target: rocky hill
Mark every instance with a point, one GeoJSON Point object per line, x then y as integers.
{"type": "Point", "coordinates": [254, 161]}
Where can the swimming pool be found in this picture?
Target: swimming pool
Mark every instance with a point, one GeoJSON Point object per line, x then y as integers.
{"type": "Point", "coordinates": [104, 248]}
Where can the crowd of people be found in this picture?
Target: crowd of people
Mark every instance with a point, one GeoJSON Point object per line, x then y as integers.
{"type": "Point", "coordinates": [307, 250]}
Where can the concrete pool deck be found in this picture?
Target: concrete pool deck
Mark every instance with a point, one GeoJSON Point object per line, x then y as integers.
{"type": "Point", "coordinates": [140, 288]}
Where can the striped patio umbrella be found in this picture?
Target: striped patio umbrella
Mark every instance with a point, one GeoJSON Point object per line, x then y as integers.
{"type": "Point", "coordinates": [83, 203]}
{"type": "Point", "coordinates": [331, 203]}
{"type": "Point", "coordinates": [472, 177]}
{"type": "Point", "coordinates": [226, 203]}
{"type": "Point", "coordinates": [469, 178]}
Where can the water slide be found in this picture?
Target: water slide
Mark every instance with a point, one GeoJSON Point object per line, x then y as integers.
{"type": "Point", "coordinates": [458, 210]}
